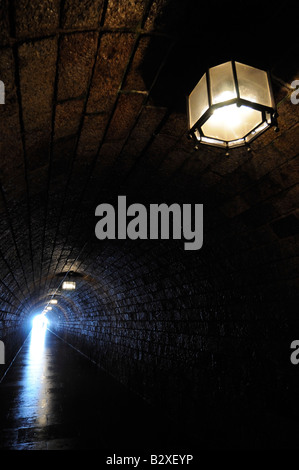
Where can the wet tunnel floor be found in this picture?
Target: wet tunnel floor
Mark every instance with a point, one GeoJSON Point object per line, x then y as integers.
{"type": "Point", "coordinates": [53, 398]}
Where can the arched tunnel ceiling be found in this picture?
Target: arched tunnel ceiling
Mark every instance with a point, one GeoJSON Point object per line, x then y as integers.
{"type": "Point", "coordinates": [95, 108]}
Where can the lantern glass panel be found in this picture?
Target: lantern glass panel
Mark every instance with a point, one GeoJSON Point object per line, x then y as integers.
{"type": "Point", "coordinates": [258, 130]}
{"type": "Point", "coordinates": [222, 83]}
{"type": "Point", "coordinates": [253, 84]}
{"type": "Point", "coordinates": [231, 122]}
{"type": "Point", "coordinates": [198, 101]}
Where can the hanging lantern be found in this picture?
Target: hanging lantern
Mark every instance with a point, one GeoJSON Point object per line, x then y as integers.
{"type": "Point", "coordinates": [231, 105]}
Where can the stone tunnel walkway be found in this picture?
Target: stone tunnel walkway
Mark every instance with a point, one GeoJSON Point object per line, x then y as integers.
{"type": "Point", "coordinates": [54, 398]}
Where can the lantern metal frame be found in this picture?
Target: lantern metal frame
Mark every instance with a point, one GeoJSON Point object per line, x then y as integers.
{"type": "Point", "coordinates": [268, 114]}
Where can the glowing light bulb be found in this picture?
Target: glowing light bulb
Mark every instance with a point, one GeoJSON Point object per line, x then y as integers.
{"type": "Point", "coordinates": [231, 122]}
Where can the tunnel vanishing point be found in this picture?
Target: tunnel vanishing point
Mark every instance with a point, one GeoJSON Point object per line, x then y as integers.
{"type": "Point", "coordinates": [95, 109]}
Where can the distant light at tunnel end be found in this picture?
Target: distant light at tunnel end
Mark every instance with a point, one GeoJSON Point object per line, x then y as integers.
{"type": "Point", "coordinates": [39, 322]}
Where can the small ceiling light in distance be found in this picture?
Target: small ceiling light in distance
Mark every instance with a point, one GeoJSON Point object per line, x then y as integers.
{"type": "Point", "coordinates": [68, 285]}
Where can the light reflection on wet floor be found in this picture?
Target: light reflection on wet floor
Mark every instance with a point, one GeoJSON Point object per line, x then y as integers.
{"type": "Point", "coordinates": [54, 398]}
{"type": "Point", "coordinates": [33, 394]}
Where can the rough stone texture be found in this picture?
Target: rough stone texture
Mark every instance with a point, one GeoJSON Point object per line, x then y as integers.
{"type": "Point", "coordinates": [95, 108]}
{"type": "Point", "coordinates": [4, 22]}
{"type": "Point", "coordinates": [35, 18]}
{"type": "Point", "coordinates": [77, 58]}
{"type": "Point", "coordinates": [12, 162]}
{"type": "Point", "coordinates": [125, 15]}
{"type": "Point", "coordinates": [37, 75]}
{"type": "Point", "coordinates": [82, 14]}
{"type": "Point", "coordinates": [113, 56]}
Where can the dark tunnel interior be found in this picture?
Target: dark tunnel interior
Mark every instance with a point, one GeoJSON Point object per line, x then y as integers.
{"type": "Point", "coordinates": [95, 108]}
